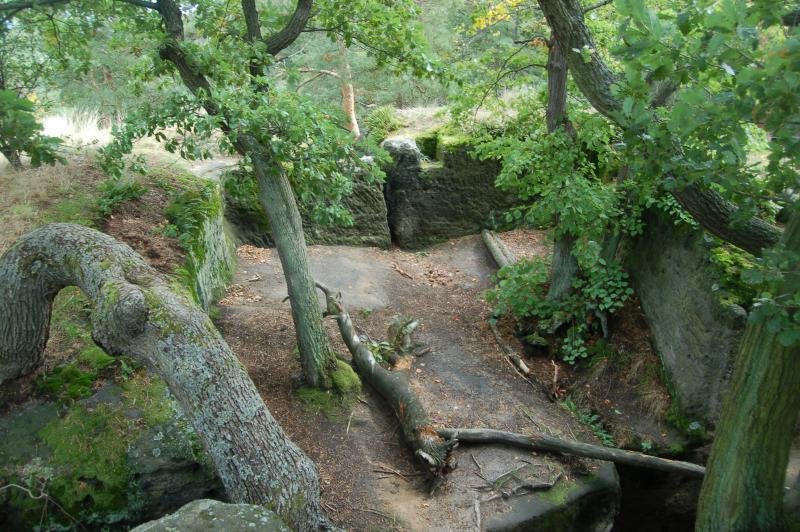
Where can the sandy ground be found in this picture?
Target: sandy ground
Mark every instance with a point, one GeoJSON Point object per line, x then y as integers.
{"type": "Point", "coordinates": [370, 479]}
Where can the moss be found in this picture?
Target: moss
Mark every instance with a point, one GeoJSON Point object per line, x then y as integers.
{"type": "Point", "coordinates": [345, 380]}
{"type": "Point", "coordinates": [428, 143]}
{"type": "Point", "coordinates": [87, 449]}
{"type": "Point", "coordinates": [68, 382]}
{"type": "Point", "coordinates": [160, 314]}
{"type": "Point", "coordinates": [95, 358]}
{"type": "Point", "coordinates": [91, 447]}
{"type": "Point", "coordinates": [319, 401]}
{"type": "Point", "coordinates": [558, 494]}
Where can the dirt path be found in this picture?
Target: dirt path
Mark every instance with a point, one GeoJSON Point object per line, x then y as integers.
{"type": "Point", "coordinates": [370, 480]}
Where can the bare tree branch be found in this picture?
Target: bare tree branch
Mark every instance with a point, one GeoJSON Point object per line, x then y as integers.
{"type": "Point", "coordinates": [292, 30]}
{"type": "Point", "coordinates": [598, 5]}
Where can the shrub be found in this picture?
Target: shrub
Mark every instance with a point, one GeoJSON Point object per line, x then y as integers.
{"type": "Point", "coordinates": [382, 121]}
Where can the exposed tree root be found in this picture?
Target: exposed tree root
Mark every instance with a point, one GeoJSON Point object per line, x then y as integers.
{"type": "Point", "coordinates": [542, 442]}
{"type": "Point", "coordinates": [418, 430]}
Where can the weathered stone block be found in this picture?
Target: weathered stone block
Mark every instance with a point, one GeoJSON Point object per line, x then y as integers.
{"type": "Point", "coordinates": [429, 202]}
{"type": "Point", "coordinates": [695, 334]}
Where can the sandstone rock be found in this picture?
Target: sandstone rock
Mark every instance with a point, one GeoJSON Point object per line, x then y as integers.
{"type": "Point", "coordinates": [212, 516]}
{"type": "Point", "coordinates": [429, 202]}
{"type": "Point", "coordinates": [695, 334]}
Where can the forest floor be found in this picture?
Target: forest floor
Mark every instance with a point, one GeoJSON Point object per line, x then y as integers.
{"type": "Point", "coordinates": [369, 478]}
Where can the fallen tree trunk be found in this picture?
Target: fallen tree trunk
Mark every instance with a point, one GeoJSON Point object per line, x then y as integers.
{"type": "Point", "coordinates": [136, 313]}
{"type": "Point", "coordinates": [542, 442]}
{"type": "Point", "coordinates": [498, 249]}
{"type": "Point", "coordinates": [418, 429]}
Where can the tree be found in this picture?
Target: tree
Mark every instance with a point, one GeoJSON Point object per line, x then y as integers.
{"type": "Point", "coordinates": [692, 79]}
{"type": "Point", "coordinates": [137, 314]}
{"type": "Point", "coordinates": [289, 144]}
{"type": "Point", "coordinates": [21, 133]}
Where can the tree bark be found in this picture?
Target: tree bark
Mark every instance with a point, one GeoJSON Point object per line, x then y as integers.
{"type": "Point", "coordinates": [137, 314]}
{"type": "Point", "coordinates": [498, 249]}
{"type": "Point", "coordinates": [13, 158]}
{"type": "Point", "coordinates": [316, 356]}
{"type": "Point", "coordinates": [543, 442]}
{"type": "Point", "coordinates": [744, 488]}
{"type": "Point", "coordinates": [595, 80]}
{"type": "Point", "coordinates": [564, 267]}
{"type": "Point", "coordinates": [418, 430]}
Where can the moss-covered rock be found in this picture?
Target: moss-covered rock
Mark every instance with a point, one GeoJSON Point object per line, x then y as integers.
{"type": "Point", "coordinates": [215, 516]}
{"type": "Point", "coordinates": [365, 203]}
{"type": "Point", "coordinates": [429, 202]}
{"type": "Point", "coordinates": [118, 457]}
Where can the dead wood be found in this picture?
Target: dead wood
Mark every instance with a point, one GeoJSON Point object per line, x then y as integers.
{"type": "Point", "coordinates": [542, 442]}
{"type": "Point", "coordinates": [418, 429]}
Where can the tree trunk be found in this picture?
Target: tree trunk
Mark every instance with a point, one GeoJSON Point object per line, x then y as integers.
{"type": "Point", "coordinates": [563, 270]}
{"type": "Point", "coordinates": [275, 190]}
{"type": "Point", "coordinates": [543, 442]}
{"type": "Point", "coordinates": [564, 267]}
{"type": "Point", "coordinates": [137, 314]}
{"type": "Point", "coordinates": [743, 490]}
{"type": "Point", "coordinates": [348, 93]}
{"type": "Point", "coordinates": [316, 356]}
{"type": "Point", "coordinates": [13, 158]}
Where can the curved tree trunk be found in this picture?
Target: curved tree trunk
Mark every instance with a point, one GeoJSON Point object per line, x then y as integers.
{"type": "Point", "coordinates": [744, 489]}
{"type": "Point", "coordinates": [138, 315]}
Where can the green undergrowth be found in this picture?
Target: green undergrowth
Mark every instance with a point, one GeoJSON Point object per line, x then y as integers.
{"type": "Point", "coordinates": [729, 263]}
{"type": "Point", "coordinates": [336, 402]}
{"type": "Point", "coordinates": [592, 421]}
{"type": "Point", "coordinates": [194, 203]}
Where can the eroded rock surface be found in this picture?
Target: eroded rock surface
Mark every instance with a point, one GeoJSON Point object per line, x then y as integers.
{"type": "Point", "coordinates": [431, 201]}
{"type": "Point", "coordinates": [695, 334]}
{"type": "Point", "coordinates": [214, 516]}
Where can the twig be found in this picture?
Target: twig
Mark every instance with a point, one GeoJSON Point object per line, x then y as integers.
{"type": "Point", "coordinates": [254, 278]}
{"type": "Point", "coordinates": [480, 469]}
{"type": "Point", "coordinates": [349, 419]}
{"type": "Point", "coordinates": [401, 272]}
{"type": "Point", "coordinates": [477, 506]}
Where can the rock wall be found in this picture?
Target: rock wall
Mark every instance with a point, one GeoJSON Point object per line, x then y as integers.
{"type": "Point", "coordinates": [366, 204]}
{"type": "Point", "coordinates": [215, 268]}
{"type": "Point", "coordinates": [695, 334]}
{"type": "Point", "coordinates": [432, 201]}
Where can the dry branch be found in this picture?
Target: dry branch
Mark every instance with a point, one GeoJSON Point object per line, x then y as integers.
{"type": "Point", "coordinates": [542, 442]}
